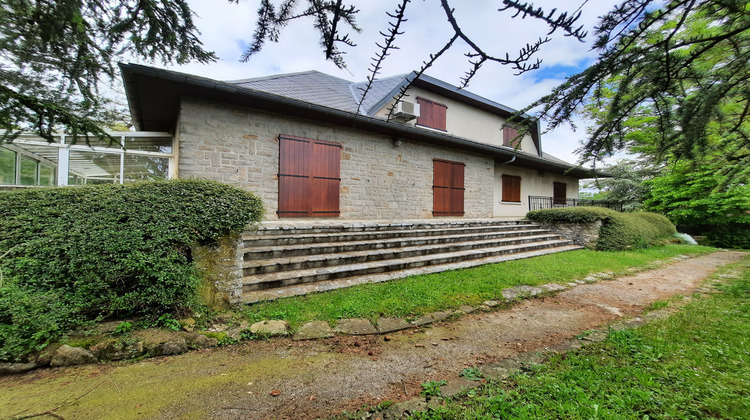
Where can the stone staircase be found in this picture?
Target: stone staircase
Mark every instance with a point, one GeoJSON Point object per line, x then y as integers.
{"type": "Point", "coordinates": [284, 259]}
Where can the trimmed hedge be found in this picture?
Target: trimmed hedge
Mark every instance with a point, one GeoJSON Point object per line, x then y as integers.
{"type": "Point", "coordinates": [75, 254]}
{"type": "Point", "coordinates": [619, 231]}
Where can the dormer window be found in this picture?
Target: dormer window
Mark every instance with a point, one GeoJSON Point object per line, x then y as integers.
{"type": "Point", "coordinates": [431, 114]}
{"type": "Point", "coordinates": [509, 137]}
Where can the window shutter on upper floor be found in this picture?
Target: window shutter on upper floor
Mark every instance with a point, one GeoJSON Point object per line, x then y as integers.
{"type": "Point", "coordinates": [510, 133]}
{"type": "Point", "coordinates": [431, 114]}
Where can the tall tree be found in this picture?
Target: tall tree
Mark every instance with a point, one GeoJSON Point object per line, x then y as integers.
{"type": "Point", "coordinates": [686, 58]}
{"type": "Point", "coordinates": [55, 55]}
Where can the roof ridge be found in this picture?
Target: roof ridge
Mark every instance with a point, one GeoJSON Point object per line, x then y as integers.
{"type": "Point", "coordinates": [282, 76]}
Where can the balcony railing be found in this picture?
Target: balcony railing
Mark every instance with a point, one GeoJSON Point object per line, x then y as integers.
{"type": "Point", "coordinates": [539, 203]}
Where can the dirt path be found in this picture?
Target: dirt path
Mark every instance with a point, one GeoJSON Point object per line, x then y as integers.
{"type": "Point", "coordinates": [318, 379]}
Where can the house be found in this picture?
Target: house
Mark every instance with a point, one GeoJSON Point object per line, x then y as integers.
{"type": "Point", "coordinates": [356, 189]}
{"type": "Point", "coordinates": [310, 146]}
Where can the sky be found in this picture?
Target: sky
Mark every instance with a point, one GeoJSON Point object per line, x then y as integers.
{"type": "Point", "coordinates": [227, 28]}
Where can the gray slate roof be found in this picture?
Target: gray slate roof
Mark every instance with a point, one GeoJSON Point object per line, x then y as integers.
{"type": "Point", "coordinates": [309, 86]}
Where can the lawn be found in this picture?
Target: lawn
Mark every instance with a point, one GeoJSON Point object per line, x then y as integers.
{"type": "Point", "coordinates": [692, 365]}
{"type": "Point", "coordinates": [418, 295]}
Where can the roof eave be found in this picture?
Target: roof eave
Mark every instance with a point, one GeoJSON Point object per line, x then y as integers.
{"type": "Point", "coordinates": [195, 86]}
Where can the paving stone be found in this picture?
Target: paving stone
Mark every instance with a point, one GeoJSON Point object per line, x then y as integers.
{"type": "Point", "coordinates": [531, 357]}
{"type": "Point", "coordinates": [440, 315]}
{"type": "Point", "coordinates": [423, 320]}
{"type": "Point", "coordinates": [589, 279]}
{"type": "Point", "coordinates": [502, 369]}
{"type": "Point", "coordinates": [552, 287]}
{"type": "Point", "coordinates": [386, 325]}
{"type": "Point", "coordinates": [457, 386]}
{"type": "Point", "coordinates": [596, 336]}
{"type": "Point", "coordinates": [13, 368]}
{"type": "Point", "coordinates": [565, 346]}
{"type": "Point", "coordinates": [270, 327]}
{"type": "Point", "coordinates": [582, 281]}
{"type": "Point", "coordinates": [491, 303]}
{"type": "Point", "coordinates": [466, 309]}
{"type": "Point", "coordinates": [484, 308]}
{"type": "Point", "coordinates": [313, 330]}
{"type": "Point", "coordinates": [529, 290]}
{"type": "Point", "coordinates": [355, 326]}
{"type": "Point", "coordinates": [404, 409]}
{"type": "Point", "coordinates": [572, 284]}
{"type": "Point", "coordinates": [510, 293]}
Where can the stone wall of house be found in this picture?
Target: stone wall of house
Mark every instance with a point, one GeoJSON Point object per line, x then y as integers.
{"type": "Point", "coordinates": [379, 180]}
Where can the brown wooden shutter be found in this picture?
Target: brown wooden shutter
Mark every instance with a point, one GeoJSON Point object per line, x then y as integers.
{"type": "Point", "coordinates": [325, 179]}
{"type": "Point", "coordinates": [431, 114]}
{"type": "Point", "coordinates": [448, 188]}
{"type": "Point", "coordinates": [559, 192]}
{"type": "Point", "coordinates": [510, 133]}
{"type": "Point", "coordinates": [309, 177]}
{"type": "Point", "coordinates": [511, 188]}
{"type": "Point", "coordinates": [294, 175]}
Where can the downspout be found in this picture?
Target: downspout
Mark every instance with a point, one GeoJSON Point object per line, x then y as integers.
{"type": "Point", "coordinates": [513, 159]}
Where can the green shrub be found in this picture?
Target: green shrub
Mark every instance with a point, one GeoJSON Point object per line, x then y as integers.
{"type": "Point", "coordinates": [735, 236]}
{"type": "Point", "coordinates": [619, 231]}
{"type": "Point", "coordinates": [104, 250]}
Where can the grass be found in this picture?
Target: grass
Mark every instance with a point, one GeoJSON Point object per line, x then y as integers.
{"type": "Point", "coordinates": [418, 295]}
{"type": "Point", "coordinates": [692, 365]}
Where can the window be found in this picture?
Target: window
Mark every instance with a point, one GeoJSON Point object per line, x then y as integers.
{"type": "Point", "coordinates": [29, 171]}
{"type": "Point", "coordinates": [511, 188]}
{"type": "Point", "coordinates": [509, 137]}
{"type": "Point", "coordinates": [559, 193]}
{"type": "Point", "coordinates": [7, 166]}
{"type": "Point", "coordinates": [431, 114]}
{"type": "Point", "coordinates": [309, 177]}
{"type": "Point", "coordinates": [447, 188]}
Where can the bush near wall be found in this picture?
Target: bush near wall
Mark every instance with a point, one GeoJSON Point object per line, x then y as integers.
{"type": "Point", "coordinates": [76, 254]}
{"type": "Point", "coordinates": [619, 231]}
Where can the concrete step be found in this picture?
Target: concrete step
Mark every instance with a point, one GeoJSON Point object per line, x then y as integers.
{"type": "Point", "coordinates": [268, 252]}
{"type": "Point", "coordinates": [299, 227]}
{"type": "Point", "coordinates": [261, 239]}
{"type": "Point", "coordinates": [325, 285]}
{"type": "Point", "coordinates": [295, 277]}
{"type": "Point", "coordinates": [290, 263]}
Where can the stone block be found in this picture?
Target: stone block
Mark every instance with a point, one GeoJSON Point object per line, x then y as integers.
{"type": "Point", "coordinates": [313, 330]}
{"type": "Point", "coordinates": [355, 326]}
{"type": "Point", "coordinates": [69, 356]}
{"type": "Point", "coordinates": [270, 327]}
{"type": "Point", "coordinates": [387, 324]}
{"type": "Point", "coordinates": [552, 287]}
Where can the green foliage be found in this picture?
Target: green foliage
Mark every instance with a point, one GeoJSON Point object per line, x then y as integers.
{"type": "Point", "coordinates": [730, 236]}
{"type": "Point", "coordinates": [700, 195]}
{"type": "Point", "coordinates": [31, 320]}
{"type": "Point", "coordinates": [56, 54]}
{"type": "Point", "coordinates": [472, 374]}
{"type": "Point", "coordinates": [679, 69]}
{"type": "Point", "coordinates": [95, 251]}
{"type": "Point", "coordinates": [124, 328]}
{"type": "Point", "coordinates": [693, 365]}
{"type": "Point", "coordinates": [432, 388]}
{"type": "Point", "coordinates": [619, 231]}
{"type": "Point", "coordinates": [626, 184]}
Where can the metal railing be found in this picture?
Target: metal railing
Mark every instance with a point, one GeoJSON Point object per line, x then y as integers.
{"type": "Point", "coordinates": [539, 203]}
